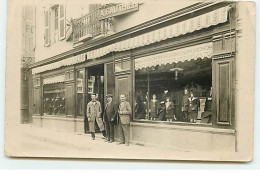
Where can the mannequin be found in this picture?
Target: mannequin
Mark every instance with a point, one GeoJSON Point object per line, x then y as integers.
{"type": "Point", "coordinates": [193, 107]}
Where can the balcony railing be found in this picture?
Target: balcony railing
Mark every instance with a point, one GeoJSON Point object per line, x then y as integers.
{"type": "Point", "coordinates": [100, 21]}
{"type": "Point", "coordinates": [87, 26]}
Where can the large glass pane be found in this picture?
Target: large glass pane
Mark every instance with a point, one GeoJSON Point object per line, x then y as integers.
{"type": "Point", "coordinates": [54, 99]}
{"type": "Point", "coordinates": [177, 92]}
{"type": "Point", "coordinates": [80, 92]}
{"type": "Point", "coordinates": [141, 94]}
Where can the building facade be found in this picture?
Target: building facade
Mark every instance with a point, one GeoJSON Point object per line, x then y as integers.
{"type": "Point", "coordinates": [27, 58]}
{"type": "Point", "coordinates": [152, 59]}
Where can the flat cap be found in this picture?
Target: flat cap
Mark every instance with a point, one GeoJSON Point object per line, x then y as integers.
{"type": "Point", "coordinates": [109, 96]}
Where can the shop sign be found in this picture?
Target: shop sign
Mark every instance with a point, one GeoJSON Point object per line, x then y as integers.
{"type": "Point", "coordinates": [118, 9]}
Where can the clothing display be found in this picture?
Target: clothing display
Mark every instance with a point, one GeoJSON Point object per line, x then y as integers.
{"type": "Point", "coordinates": [154, 108]}
{"type": "Point", "coordinates": [193, 108]}
{"type": "Point", "coordinates": [169, 110]}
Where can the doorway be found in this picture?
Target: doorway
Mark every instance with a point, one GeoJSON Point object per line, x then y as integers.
{"type": "Point", "coordinates": [95, 85]}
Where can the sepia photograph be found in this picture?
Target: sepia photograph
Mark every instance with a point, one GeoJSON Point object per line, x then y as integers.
{"type": "Point", "coordinates": [142, 80]}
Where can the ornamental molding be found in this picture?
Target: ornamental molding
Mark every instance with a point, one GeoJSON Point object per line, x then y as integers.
{"type": "Point", "coordinates": [222, 56]}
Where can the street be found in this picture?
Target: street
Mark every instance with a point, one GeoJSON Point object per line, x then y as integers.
{"type": "Point", "coordinates": [36, 142]}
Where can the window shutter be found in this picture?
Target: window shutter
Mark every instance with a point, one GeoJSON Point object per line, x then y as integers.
{"type": "Point", "coordinates": [47, 28]}
{"type": "Point", "coordinates": [62, 23]}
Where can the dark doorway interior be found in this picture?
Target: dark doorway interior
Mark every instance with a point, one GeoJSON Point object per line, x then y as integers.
{"type": "Point", "coordinates": [95, 84]}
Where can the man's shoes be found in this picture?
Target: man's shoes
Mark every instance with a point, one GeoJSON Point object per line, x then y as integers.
{"type": "Point", "coordinates": [93, 138]}
{"type": "Point", "coordinates": [110, 141]}
{"type": "Point", "coordinates": [127, 144]}
{"type": "Point", "coordinates": [120, 143]}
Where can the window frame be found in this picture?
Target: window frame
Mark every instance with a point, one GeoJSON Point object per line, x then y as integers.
{"type": "Point", "coordinates": [211, 124]}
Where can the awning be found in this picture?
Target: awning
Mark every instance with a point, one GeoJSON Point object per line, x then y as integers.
{"type": "Point", "coordinates": [180, 55]}
{"type": "Point", "coordinates": [197, 23]}
{"type": "Point", "coordinates": [54, 79]}
{"type": "Point", "coordinates": [66, 62]}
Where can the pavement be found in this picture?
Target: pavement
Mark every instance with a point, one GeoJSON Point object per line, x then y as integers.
{"type": "Point", "coordinates": [32, 141]}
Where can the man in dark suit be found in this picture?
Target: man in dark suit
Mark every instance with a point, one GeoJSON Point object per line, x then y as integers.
{"type": "Point", "coordinates": [109, 118]}
{"type": "Point", "coordinates": [185, 105]}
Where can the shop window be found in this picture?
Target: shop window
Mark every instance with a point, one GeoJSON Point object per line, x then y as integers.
{"type": "Point", "coordinates": [54, 99]}
{"type": "Point", "coordinates": [80, 98]}
{"type": "Point", "coordinates": [178, 92]}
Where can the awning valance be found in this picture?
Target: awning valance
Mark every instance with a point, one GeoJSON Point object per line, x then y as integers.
{"type": "Point", "coordinates": [54, 79]}
{"type": "Point", "coordinates": [66, 62]}
{"type": "Point", "coordinates": [197, 23]}
{"type": "Point", "coordinates": [180, 55]}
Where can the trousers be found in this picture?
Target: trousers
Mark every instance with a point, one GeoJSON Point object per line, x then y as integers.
{"type": "Point", "coordinates": [124, 132]}
{"type": "Point", "coordinates": [185, 116]}
{"type": "Point", "coordinates": [92, 125]}
{"type": "Point", "coordinates": [110, 130]}
{"type": "Point", "coordinates": [100, 124]}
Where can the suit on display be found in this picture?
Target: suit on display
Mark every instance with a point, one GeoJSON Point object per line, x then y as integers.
{"type": "Point", "coordinates": [185, 107]}
{"type": "Point", "coordinates": [193, 108]}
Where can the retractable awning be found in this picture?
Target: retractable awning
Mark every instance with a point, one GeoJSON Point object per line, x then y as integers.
{"type": "Point", "coordinates": [54, 79]}
{"type": "Point", "coordinates": [66, 62]}
{"type": "Point", "coordinates": [180, 55]}
{"type": "Point", "coordinates": [197, 23]}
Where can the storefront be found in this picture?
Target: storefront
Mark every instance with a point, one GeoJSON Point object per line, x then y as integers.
{"type": "Point", "coordinates": [153, 67]}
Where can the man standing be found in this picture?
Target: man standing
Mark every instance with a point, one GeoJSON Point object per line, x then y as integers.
{"type": "Point", "coordinates": [124, 122]}
{"type": "Point", "coordinates": [185, 105]}
{"type": "Point", "coordinates": [109, 118]}
{"type": "Point", "coordinates": [94, 114]}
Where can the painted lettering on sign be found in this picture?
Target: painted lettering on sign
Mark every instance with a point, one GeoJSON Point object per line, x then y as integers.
{"type": "Point", "coordinates": [118, 9]}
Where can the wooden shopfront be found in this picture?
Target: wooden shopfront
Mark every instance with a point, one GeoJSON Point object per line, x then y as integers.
{"type": "Point", "coordinates": [194, 51]}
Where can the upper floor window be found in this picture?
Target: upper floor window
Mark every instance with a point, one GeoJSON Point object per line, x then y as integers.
{"type": "Point", "coordinates": [54, 29]}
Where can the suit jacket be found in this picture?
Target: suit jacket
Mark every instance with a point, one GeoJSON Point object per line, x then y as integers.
{"type": "Point", "coordinates": [125, 109]}
{"type": "Point", "coordinates": [164, 96]}
{"type": "Point", "coordinates": [185, 102]}
{"type": "Point", "coordinates": [169, 110]}
{"type": "Point", "coordinates": [110, 112]}
{"type": "Point", "coordinates": [94, 110]}
{"type": "Point", "coordinates": [193, 104]}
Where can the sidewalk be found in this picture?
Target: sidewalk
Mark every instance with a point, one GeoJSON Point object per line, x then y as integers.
{"type": "Point", "coordinates": [41, 142]}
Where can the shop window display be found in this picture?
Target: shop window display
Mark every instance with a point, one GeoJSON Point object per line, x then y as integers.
{"type": "Point", "coordinates": [177, 92]}
{"type": "Point", "coordinates": [54, 99]}
{"type": "Point", "coordinates": [80, 98]}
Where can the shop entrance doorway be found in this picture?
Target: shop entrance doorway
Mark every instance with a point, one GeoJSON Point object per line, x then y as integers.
{"type": "Point", "coordinates": [95, 85]}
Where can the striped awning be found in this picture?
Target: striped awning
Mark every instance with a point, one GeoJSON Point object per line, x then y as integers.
{"type": "Point", "coordinates": [180, 55]}
{"type": "Point", "coordinates": [197, 23]}
{"type": "Point", "coordinates": [66, 62]}
{"type": "Point", "coordinates": [54, 79]}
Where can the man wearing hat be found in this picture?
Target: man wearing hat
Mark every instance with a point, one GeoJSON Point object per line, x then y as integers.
{"type": "Point", "coordinates": [109, 118]}
{"type": "Point", "coordinates": [94, 114]}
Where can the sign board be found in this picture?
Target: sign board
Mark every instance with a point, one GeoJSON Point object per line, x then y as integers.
{"type": "Point", "coordinates": [118, 9]}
